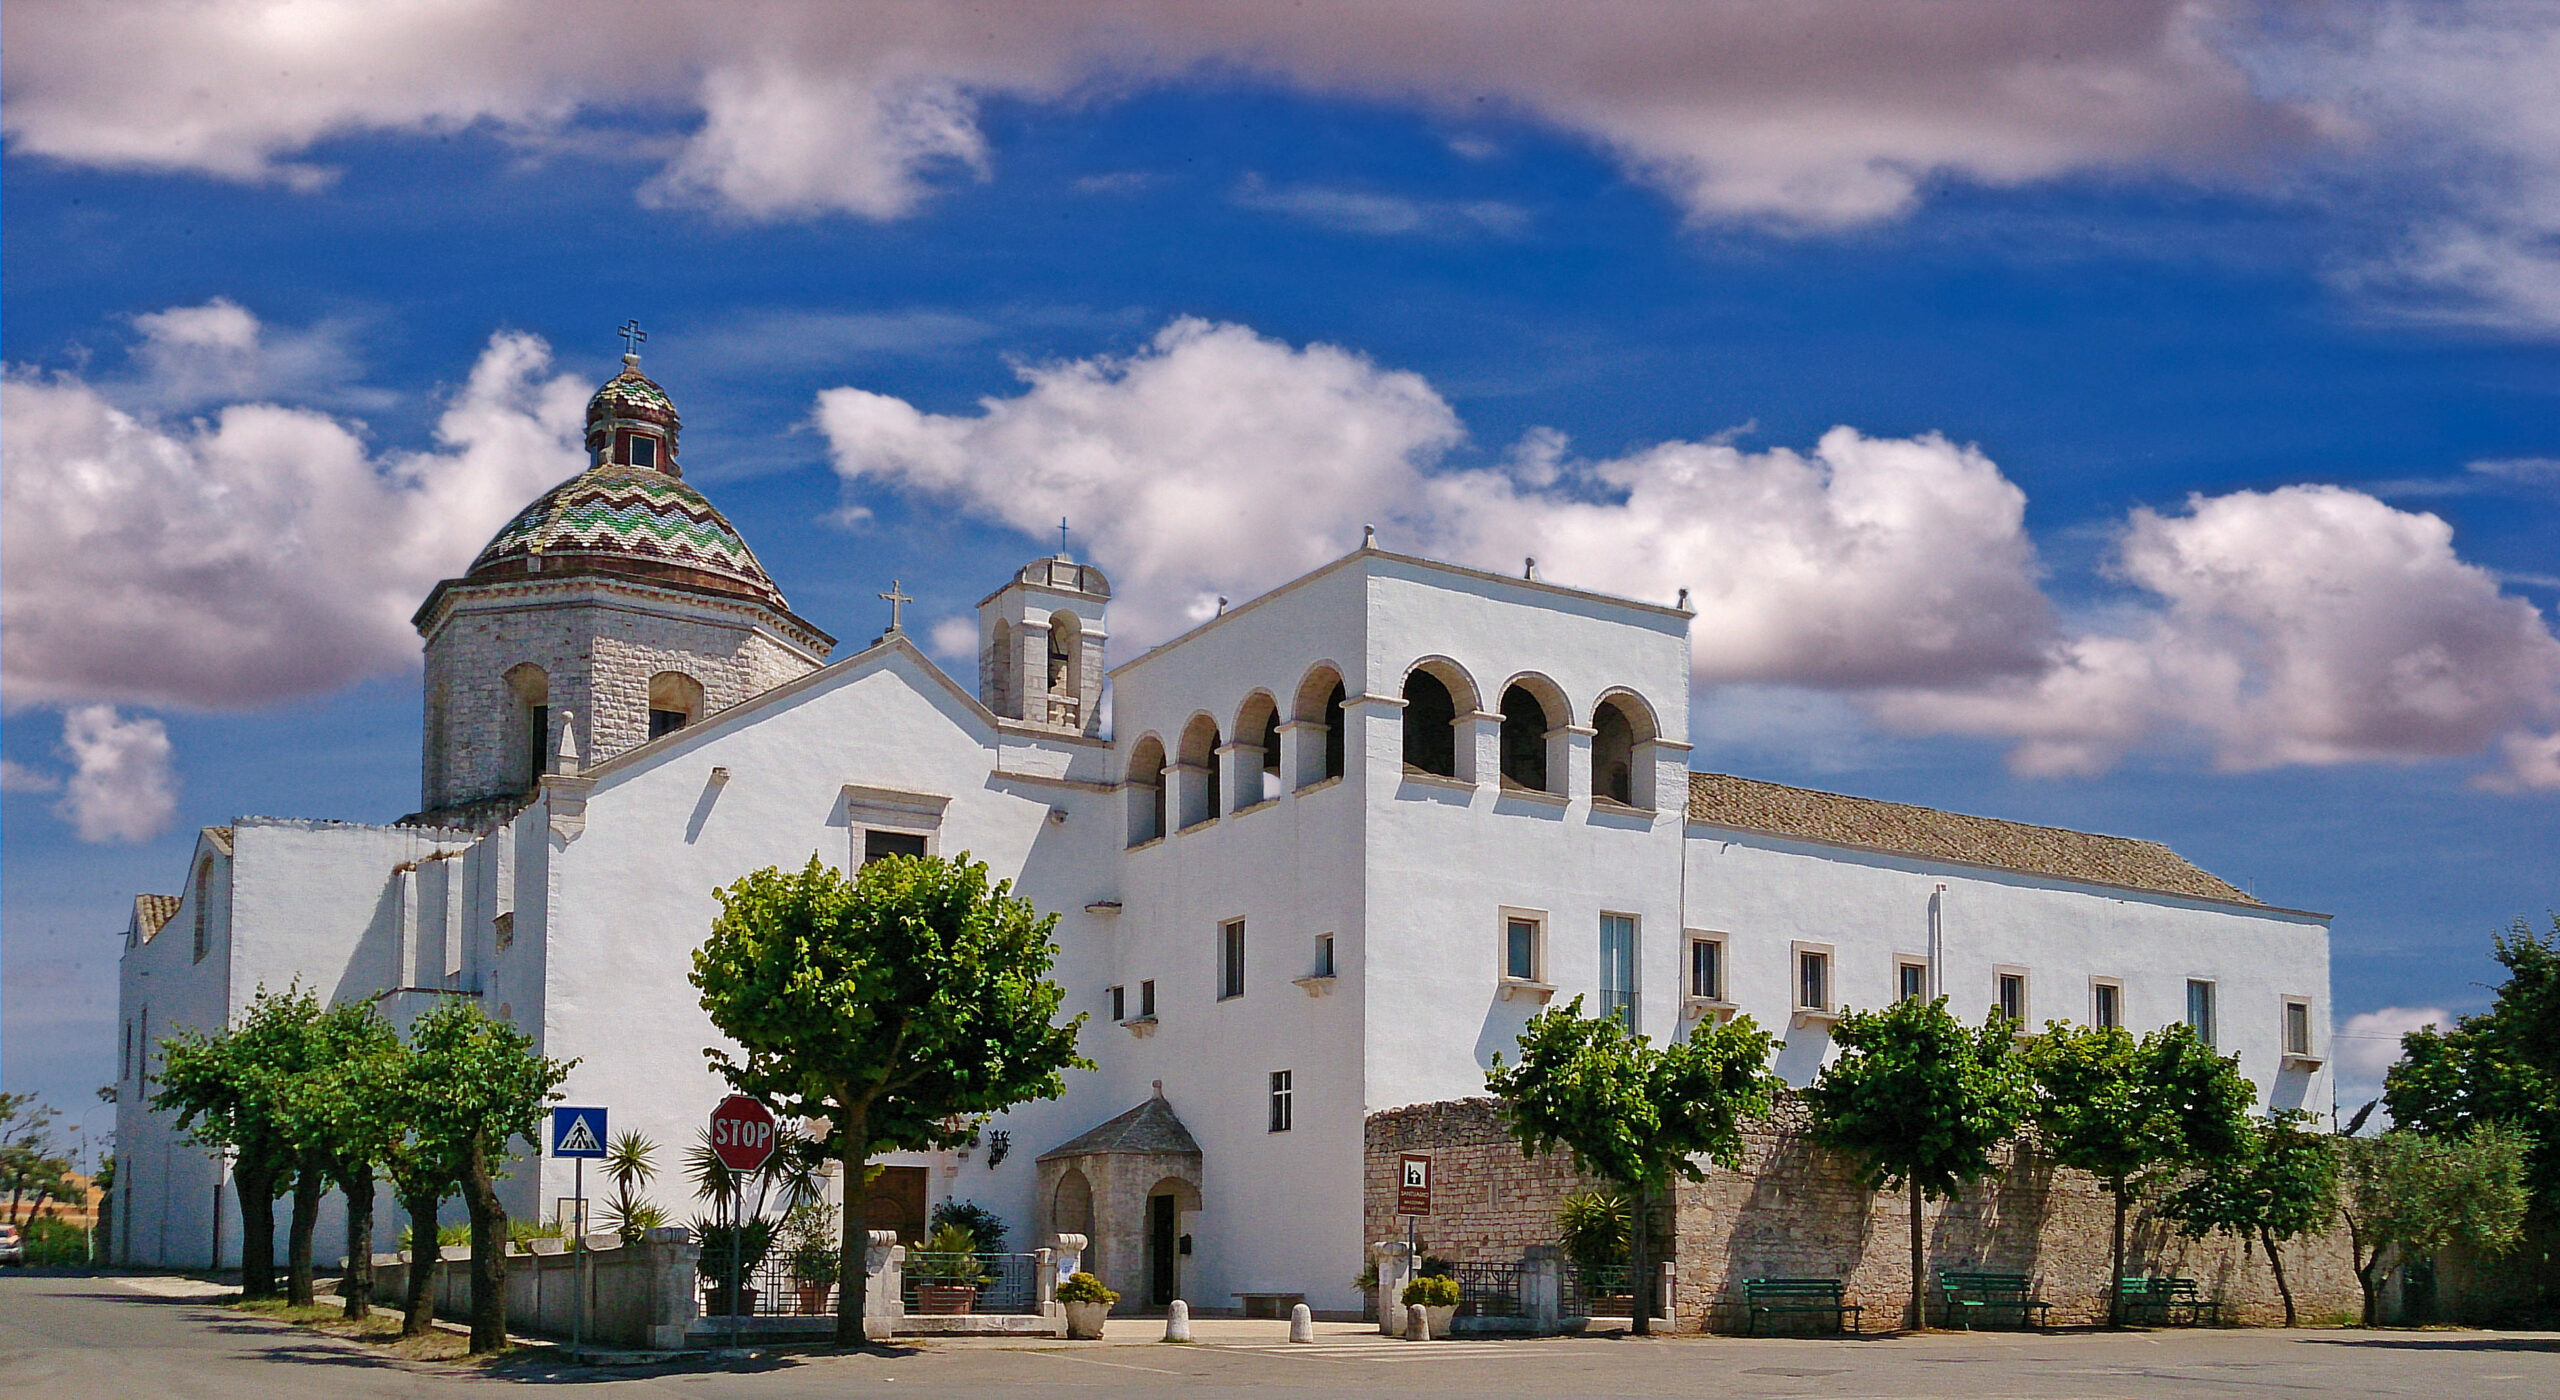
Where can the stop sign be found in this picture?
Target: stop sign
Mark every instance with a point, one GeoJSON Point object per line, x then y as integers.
{"type": "Point", "coordinates": [741, 1133]}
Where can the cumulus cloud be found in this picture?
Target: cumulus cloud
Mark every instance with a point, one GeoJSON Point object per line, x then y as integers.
{"type": "Point", "coordinates": [122, 787]}
{"type": "Point", "coordinates": [2368, 1045]}
{"type": "Point", "coordinates": [954, 638]}
{"type": "Point", "coordinates": [18, 777]}
{"type": "Point", "coordinates": [260, 552]}
{"type": "Point", "coordinates": [2306, 625]}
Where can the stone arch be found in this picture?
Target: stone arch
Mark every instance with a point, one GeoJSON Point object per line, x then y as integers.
{"type": "Point", "coordinates": [530, 725]}
{"type": "Point", "coordinates": [1438, 693]}
{"type": "Point", "coordinates": [1533, 709]}
{"type": "Point", "coordinates": [1621, 725]}
{"type": "Point", "coordinates": [1198, 763]}
{"type": "Point", "coordinates": [675, 700]}
{"type": "Point", "coordinates": [1066, 669]}
{"type": "Point", "coordinates": [1071, 1205]}
{"type": "Point", "coordinates": [1145, 788]}
{"type": "Point", "coordinates": [1258, 724]}
{"type": "Point", "coordinates": [1319, 702]}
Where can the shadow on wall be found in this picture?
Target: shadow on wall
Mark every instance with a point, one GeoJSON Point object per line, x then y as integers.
{"type": "Point", "coordinates": [1806, 1216]}
{"type": "Point", "coordinates": [1999, 1223]}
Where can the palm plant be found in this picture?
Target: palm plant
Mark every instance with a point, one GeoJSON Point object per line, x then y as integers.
{"type": "Point", "coordinates": [630, 1164]}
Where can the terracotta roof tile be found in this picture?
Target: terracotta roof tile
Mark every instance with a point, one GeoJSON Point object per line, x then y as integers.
{"type": "Point", "coordinates": [152, 912]}
{"type": "Point", "coordinates": [1748, 804]}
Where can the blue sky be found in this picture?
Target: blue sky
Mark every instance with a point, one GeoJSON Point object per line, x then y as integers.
{"type": "Point", "coordinates": [2201, 367]}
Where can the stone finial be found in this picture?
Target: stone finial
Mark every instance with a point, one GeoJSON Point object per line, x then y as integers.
{"type": "Point", "coordinates": [1159, 1088]}
{"type": "Point", "coordinates": [564, 757]}
{"type": "Point", "coordinates": [1368, 537]}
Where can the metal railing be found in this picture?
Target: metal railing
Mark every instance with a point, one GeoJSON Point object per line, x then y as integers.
{"type": "Point", "coordinates": [1606, 1291]}
{"type": "Point", "coordinates": [772, 1291]}
{"type": "Point", "coordinates": [996, 1283]}
{"type": "Point", "coordinates": [1489, 1290]}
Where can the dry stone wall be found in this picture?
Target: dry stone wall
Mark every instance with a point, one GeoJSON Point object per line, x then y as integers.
{"type": "Point", "coordinates": [1795, 1210]}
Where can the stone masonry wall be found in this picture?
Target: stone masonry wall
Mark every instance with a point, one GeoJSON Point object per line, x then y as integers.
{"type": "Point", "coordinates": [1794, 1210]}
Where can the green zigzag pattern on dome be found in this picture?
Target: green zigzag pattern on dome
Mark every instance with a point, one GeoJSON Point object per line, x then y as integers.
{"type": "Point", "coordinates": [624, 511]}
{"type": "Point", "coordinates": [632, 387]}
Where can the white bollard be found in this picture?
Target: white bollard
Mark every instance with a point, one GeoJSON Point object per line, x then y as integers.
{"type": "Point", "coordinates": [1177, 1321]}
{"type": "Point", "coordinates": [1302, 1324]}
{"type": "Point", "coordinates": [1417, 1324]}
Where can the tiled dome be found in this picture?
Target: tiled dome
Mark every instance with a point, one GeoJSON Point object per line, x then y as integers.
{"type": "Point", "coordinates": [632, 399]}
{"type": "Point", "coordinates": [632, 521]}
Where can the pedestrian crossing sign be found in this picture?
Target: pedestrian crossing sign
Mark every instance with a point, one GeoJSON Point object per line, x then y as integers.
{"type": "Point", "coordinates": [577, 1132]}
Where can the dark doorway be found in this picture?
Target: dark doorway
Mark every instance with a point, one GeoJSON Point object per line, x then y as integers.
{"type": "Point", "coordinates": [896, 1202]}
{"type": "Point", "coordinates": [1161, 1245]}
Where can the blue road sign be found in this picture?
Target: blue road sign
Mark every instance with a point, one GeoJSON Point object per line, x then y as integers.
{"type": "Point", "coordinates": [577, 1132]}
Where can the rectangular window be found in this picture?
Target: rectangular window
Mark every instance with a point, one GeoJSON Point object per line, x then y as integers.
{"type": "Point", "coordinates": [124, 1060]}
{"type": "Point", "coordinates": [1910, 981]}
{"type": "Point", "coordinates": [2106, 1005]}
{"type": "Point", "coordinates": [1119, 1003]}
{"type": "Point", "coordinates": [665, 722]}
{"type": "Point", "coordinates": [1324, 955]}
{"type": "Point", "coordinates": [142, 1056]}
{"type": "Point", "coordinates": [2009, 993]}
{"type": "Point", "coordinates": [1147, 1000]}
{"type": "Point", "coordinates": [2297, 1028]}
{"type": "Point", "coordinates": [1618, 967]}
{"type": "Point", "coordinates": [879, 845]}
{"type": "Point", "coordinates": [1706, 969]}
{"type": "Point", "coordinates": [1521, 936]}
{"type": "Point", "coordinates": [2200, 1009]}
{"type": "Point", "coordinates": [1813, 980]}
{"type": "Point", "coordinates": [538, 722]}
{"type": "Point", "coordinates": [1231, 959]}
{"type": "Point", "coordinates": [1280, 1093]}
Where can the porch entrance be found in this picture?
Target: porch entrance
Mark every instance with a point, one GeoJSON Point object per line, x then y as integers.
{"type": "Point", "coordinates": [1163, 1251]}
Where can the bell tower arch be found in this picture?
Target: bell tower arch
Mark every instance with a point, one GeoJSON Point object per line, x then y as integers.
{"type": "Point", "coordinates": [1040, 640]}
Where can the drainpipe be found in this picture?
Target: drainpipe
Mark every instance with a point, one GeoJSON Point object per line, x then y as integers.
{"type": "Point", "coordinates": [1937, 939]}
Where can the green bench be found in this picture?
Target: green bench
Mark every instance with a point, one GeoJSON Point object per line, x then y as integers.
{"type": "Point", "coordinates": [1969, 1293]}
{"type": "Point", "coordinates": [1796, 1295]}
{"type": "Point", "coordinates": [2168, 1300]}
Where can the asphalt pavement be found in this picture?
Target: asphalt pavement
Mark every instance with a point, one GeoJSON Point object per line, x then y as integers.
{"type": "Point", "coordinates": [150, 1338]}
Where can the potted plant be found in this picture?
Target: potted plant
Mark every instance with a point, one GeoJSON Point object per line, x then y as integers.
{"type": "Point", "coordinates": [946, 1272]}
{"type": "Point", "coordinates": [1438, 1295]}
{"type": "Point", "coordinates": [1087, 1302]}
{"type": "Point", "coordinates": [730, 1296]}
{"type": "Point", "coordinates": [809, 1243]}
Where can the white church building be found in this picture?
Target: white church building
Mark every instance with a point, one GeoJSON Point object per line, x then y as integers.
{"type": "Point", "coordinates": [1338, 845]}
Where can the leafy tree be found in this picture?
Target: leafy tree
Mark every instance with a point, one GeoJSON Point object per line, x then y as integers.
{"type": "Point", "coordinates": [2283, 1182]}
{"type": "Point", "coordinates": [1633, 1115]}
{"type": "Point", "coordinates": [1920, 1103]}
{"type": "Point", "coordinates": [230, 1091]}
{"type": "Point", "coordinates": [29, 1160]}
{"type": "Point", "coordinates": [2131, 1112]}
{"type": "Point", "coordinates": [423, 1167]}
{"type": "Point", "coordinates": [2417, 1193]}
{"type": "Point", "coordinates": [348, 1115]}
{"type": "Point", "coordinates": [897, 1007]}
{"type": "Point", "coordinates": [2501, 1066]}
{"type": "Point", "coordinates": [474, 1088]}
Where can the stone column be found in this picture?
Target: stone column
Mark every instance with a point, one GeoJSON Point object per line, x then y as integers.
{"type": "Point", "coordinates": [1373, 742]}
{"type": "Point", "coordinates": [1395, 1270]}
{"type": "Point", "coordinates": [1089, 671]}
{"type": "Point", "coordinates": [1301, 753]}
{"type": "Point", "coordinates": [1240, 767]}
{"type": "Point", "coordinates": [1480, 749]}
{"type": "Point", "coordinates": [1044, 1282]}
{"type": "Point", "coordinates": [1186, 788]}
{"type": "Point", "coordinates": [1569, 760]}
{"type": "Point", "coordinates": [1542, 1287]}
{"type": "Point", "coordinates": [1031, 670]}
{"type": "Point", "coordinates": [884, 1299]}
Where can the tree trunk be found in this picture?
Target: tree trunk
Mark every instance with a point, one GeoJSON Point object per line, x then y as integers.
{"type": "Point", "coordinates": [357, 1285]}
{"type": "Point", "coordinates": [853, 1275]}
{"type": "Point", "coordinates": [257, 1232]}
{"type": "Point", "coordinates": [2275, 1261]}
{"type": "Point", "coordinates": [2115, 1273]}
{"type": "Point", "coordinates": [426, 1260]}
{"type": "Point", "coordinates": [1919, 1267]}
{"type": "Point", "coordinates": [308, 1187]}
{"type": "Point", "coordinates": [1643, 1281]}
{"type": "Point", "coordinates": [488, 1254]}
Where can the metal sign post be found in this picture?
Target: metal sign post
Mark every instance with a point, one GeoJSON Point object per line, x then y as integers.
{"type": "Point", "coordinates": [742, 1137]}
{"type": "Point", "coordinates": [577, 1134]}
{"type": "Point", "coordinates": [1413, 1199]}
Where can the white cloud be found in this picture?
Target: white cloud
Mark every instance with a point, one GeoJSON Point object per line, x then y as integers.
{"type": "Point", "coordinates": [2368, 1045]}
{"type": "Point", "coordinates": [18, 777]}
{"type": "Point", "coordinates": [258, 553]}
{"type": "Point", "coordinates": [2532, 764]}
{"type": "Point", "coordinates": [122, 787]}
{"type": "Point", "coordinates": [1381, 214]}
{"type": "Point", "coordinates": [2306, 625]}
{"type": "Point", "coordinates": [192, 356]}
{"type": "Point", "coordinates": [954, 638]}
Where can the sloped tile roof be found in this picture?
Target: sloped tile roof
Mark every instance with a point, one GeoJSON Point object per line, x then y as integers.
{"type": "Point", "coordinates": [612, 511]}
{"type": "Point", "coordinates": [152, 912]}
{"type": "Point", "coordinates": [1748, 804]}
{"type": "Point", "coordinates": [1150, 1127]}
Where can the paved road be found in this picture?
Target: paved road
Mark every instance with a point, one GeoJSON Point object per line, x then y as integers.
{"type": "Point", "coordinates": [111, 1339]}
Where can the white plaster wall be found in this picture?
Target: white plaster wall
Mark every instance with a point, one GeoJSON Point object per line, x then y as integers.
{"type": "Point", "coordinates": [1767, 893]}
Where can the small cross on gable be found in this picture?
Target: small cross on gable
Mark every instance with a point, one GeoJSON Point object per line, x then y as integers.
{"type": "Point", "coordinates": [897, 601]}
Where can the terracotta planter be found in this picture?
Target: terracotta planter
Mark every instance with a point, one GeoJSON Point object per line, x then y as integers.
{"type": "Point", "coordinates": [1441, 1319]}
{"type": "Point", "coordinates": [724, 1302]}
{"type": "Point", "coordinates": [945, 1298]}
{"type": "Point", "coordinates": [1084, 1320]}
{"type": "Point", "coordinates": [813, 1298]}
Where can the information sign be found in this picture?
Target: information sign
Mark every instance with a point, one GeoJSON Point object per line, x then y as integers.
{"type": "Point", "coordinates": [1413, 1184]}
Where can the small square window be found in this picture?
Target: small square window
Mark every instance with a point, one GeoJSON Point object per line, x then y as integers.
{"type": "Point", "coordinates": [1119, 1003]}
{"type": "Point", "coordinates": [1523, 939]}
{"type": "Point", "coordinates": [665, 722]}
{"type": "Point", "coordinates": [2009, 995]}
{"type": "Point", "coordinates": [640, 450]}
{"type": "Point", "coordinates": [1706, 969]}
{"type": "Point", "coordinates": [2106, 1005]}
{"type": "Point", "coordinates": [1324, 955]}
{"type": "Point", "coordinates": [1280, 1100]}
{"type": "Point", "coordinates": [2297, 1027]}
{"type": "Point", "coordinates": [1231, 960]}
{"type": "Point", "coordinates": [879, 845]}
{"type": "Point", "coordinates": [1813, 980]}
{"type": "Point", "coordinates": [1146, 999]}
{"type": "Point", "coordinates": [2200, 1009]}
{"type": "Point", "coordinates": [1910, 980]}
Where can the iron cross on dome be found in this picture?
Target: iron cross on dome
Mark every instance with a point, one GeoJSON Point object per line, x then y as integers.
{"type": "Point", "coordinates": [632, 336]}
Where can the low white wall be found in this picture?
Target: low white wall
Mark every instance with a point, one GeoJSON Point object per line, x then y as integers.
{"type": "Point", "coordinates": [643, 1294]}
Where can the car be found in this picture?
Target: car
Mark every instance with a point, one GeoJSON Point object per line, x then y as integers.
{"type": "Point", "coordinates": [13, 1250]}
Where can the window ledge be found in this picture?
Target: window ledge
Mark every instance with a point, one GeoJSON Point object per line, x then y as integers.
{"type": "Point", "coordinates": [2303, 1061]}
{"type": "Point", "coordinates": [1141, 1026]}
{"type": "Point", "coordinates": [1428, 778]}
{"type": "Point", "coordinates": [1320, 785]}
{"type": "Point", "coordinates": [1815, 1016]}
{"type": "Point", "coordinates": [1319, 985]}
{"type": "Point", "coordinates": [1530, 794]}
{"type": "Point", "coordinates": [1149, 842]}
{"type": "Point", "coordinates": [1195, 826]}
{"type": "Point", "coordinates": [1103, 907]}
{"type": "Point", "coordinates": [1616, 808]}
{"type": "Point", "coordinates": [1716, 1008]}
{"type": "Point", "coordinates": [1523, 987]}
{"type": "Point", "coordinates": [1255, 806]}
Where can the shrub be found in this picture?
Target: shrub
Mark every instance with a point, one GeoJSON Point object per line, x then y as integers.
{"type": "Point", "coordinates": [754, 1240]}
{"type": "Point", "coordinates": [986, 1228]}
{"type": "Point", "coordinates": [1594, 1228]}
{"type": "Point", "coordinates": [457, 1233]}
{"type": "Point", "coordinates": [52, 1241]}
{"type": "Point", "coordinates": [1432, 1291]}
{"type": "Point", "coordinates": [949, 1258]}
{"type": "Point", "coordinates": [1085, 1288]}
{"type": "Point", "coordinates": [810, 1238]}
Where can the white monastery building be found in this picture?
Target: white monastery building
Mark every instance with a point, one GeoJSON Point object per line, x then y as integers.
{"type": "Point", "coordinates": [1341, 842]}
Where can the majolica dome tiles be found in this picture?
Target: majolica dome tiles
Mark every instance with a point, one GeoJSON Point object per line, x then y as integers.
{"type": "Point", "coordinates": [631, 398]}
{"type": "Point", "coordinates": [613, 514]}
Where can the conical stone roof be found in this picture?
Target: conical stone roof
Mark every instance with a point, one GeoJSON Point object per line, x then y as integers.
{"type": "Point", "coordinates": [1150, 1127]}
